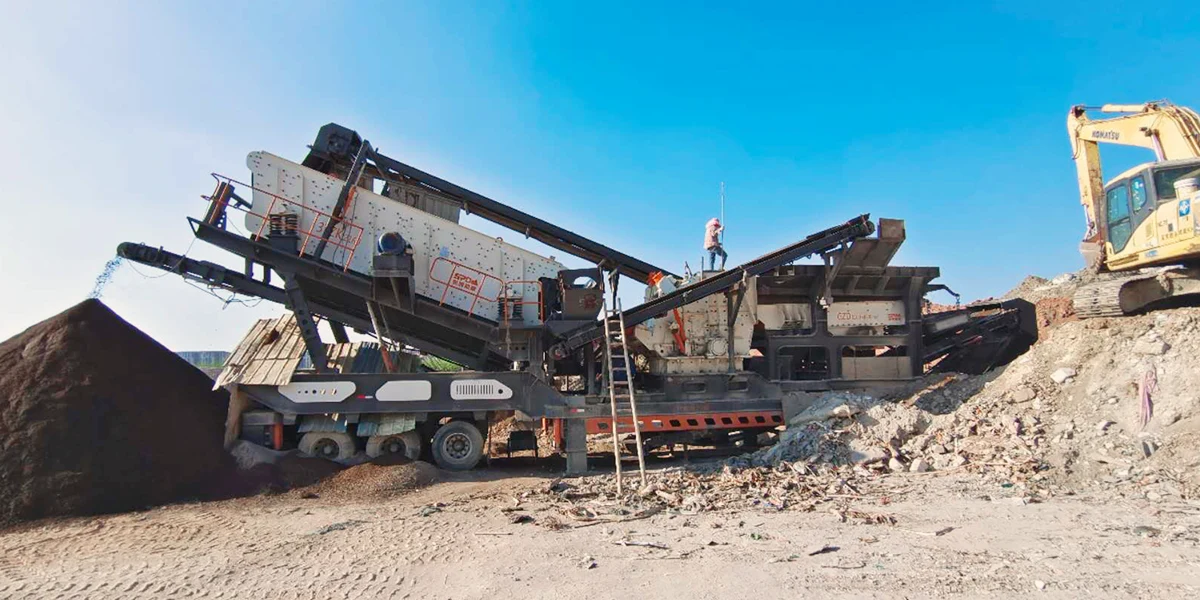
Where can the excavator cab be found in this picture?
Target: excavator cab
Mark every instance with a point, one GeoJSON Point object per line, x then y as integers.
{"type": "Point", "coordinates": [1147, 215]}
{"type": "Point", "coordinates": [1142, 211]}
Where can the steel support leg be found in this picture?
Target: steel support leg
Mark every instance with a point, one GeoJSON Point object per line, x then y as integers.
{"type": "Point", "coordinates": [308, 327]}
{"type": "Point", "coordinates": [575, 445]}
{"type": "Point", "coordinates": [733, 304]}
{"type": "Point", "coordinates": [382, 335]}
{"type": "Point", "coordinates": [339, 332]}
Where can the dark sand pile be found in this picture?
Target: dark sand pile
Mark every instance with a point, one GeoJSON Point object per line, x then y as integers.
{"type": "Point", "coordinates": [263, 470]}
{"type": "Point", "coordinates": [380, 479]}
{"type": "Point", "coordinates": [95, 417]}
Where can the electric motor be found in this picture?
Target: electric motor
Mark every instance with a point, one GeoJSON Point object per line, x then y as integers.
{"type": "Point", "coordinates": [391, 243]}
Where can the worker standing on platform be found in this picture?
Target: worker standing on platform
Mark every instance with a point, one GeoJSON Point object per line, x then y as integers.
{"type": "Point", "coordinates": [712, 243]}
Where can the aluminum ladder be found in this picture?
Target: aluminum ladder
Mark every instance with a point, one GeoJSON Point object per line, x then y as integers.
{"type": "Point", "coordinates": [620, 377]}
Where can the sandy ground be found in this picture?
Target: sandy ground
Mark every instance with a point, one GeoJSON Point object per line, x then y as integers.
{"type": "Point", "coordinates": [952, 536]}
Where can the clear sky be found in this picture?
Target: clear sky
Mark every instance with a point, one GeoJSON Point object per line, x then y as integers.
{"type": "Point", "coordinates": [614, 120]}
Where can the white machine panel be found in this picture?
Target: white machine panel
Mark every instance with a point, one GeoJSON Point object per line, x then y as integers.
{"type": "Point", "coordinates": [312, 392]}
{"type": "Point", "coordinates": [781, 316]}
{"type": "Point", "coordinates": [694, 337]}
{"type": "Point", "coordinates": [868, 313]}
{"type": "Point", "coordinates": [479, 389]}
{"type": "Point", "coordinates": [404, 391]}
{"type": "Point", "coordinates": [453, 264]}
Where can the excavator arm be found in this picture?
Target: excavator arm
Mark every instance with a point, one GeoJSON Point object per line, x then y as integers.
{"type": "Point", "coordinates": [1171, 131]}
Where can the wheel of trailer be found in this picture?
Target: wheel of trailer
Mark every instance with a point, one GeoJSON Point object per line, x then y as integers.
{"type": "Point", "coordinates": [407, 444]}
{"type": "Point", "coordinates": [329, 445]}
{"type": "Point", "coordinates": [649, 444]}
{"type": "Point", "coordinates": [457, 446]}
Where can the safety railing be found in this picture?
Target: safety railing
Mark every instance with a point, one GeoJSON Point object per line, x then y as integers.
{"type": "Point", "coordinates": [469, 280]}
{"type": "Point", "coordinates": [473, 282]}
{"type": "Point", "coordinates": [507, 303]}
{"type": "Point", "coordinates": [346, 236]}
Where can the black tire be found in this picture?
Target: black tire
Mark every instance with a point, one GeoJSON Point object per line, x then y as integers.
{"type": "Point", "coordinates": [457, 446]}
{"type": "Point", "coordinates": [328, 445]}
{"type": "Point", "coordinates": [407, 444]}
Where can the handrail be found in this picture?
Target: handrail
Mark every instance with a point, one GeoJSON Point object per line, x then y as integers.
{"type": "Point", "coordinates": [224, 189]}
{"type": "Point", "coordinates": [473, 286]}
{"type": "Point", "coordinates": [507, 301]}
{"type": "Point", "coordinates": [464, 284]}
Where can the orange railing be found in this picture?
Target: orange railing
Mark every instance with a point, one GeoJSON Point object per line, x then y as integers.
{"type": "Point", "coordinates": [472, 282]}
{"type": "Point", "coordinates": [507, 301]}
{"type": "Point", "coordinates": [346, 235]}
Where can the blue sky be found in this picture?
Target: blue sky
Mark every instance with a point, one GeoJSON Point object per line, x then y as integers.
{"type": "Point", "coordinates": [615, 120]}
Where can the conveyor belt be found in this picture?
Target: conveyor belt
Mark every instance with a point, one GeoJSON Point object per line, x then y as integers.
{"type": "Point", "coordinates": [340, 297]}
{"type": "Point", "coordinates": [338, 145]}
{"type": "Point", "coordinates": [980, 336]}
{"type": "Point", "coordinates": [828, 239]}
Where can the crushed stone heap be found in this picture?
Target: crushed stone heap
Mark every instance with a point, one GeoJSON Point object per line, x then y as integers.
{"type": "Point", "coordinates": [96, 417]}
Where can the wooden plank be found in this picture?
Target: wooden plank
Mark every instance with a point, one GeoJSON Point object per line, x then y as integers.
{"type": "Point", "coordinates": [235, 364]}
{"type": "Point", "coordinates": [278, 348]}
{"type": "Point", "coordinates": [295, 342]}
{"type": "Point", "coordinates": [255, 339]}
{"type": "Point", "coordinates": [289, 369]}
{"type": "Point", "coordinates": [249, 341]}
{"type": "Point", "coordinates": [243, 345]}
{"type": "Point", "coordinates": [257, 362]}
{"type": "Point", "coordinates": [275, 372]}
{"type": "Point", "coordinates": [253, 371]}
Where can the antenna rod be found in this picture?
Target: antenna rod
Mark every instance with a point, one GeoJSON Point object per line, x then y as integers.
{"type": "Point", "coordinates": [722, 212]}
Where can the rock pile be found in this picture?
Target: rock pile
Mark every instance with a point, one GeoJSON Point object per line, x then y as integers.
{"type": "Point", "coordinates": [1104, 405]}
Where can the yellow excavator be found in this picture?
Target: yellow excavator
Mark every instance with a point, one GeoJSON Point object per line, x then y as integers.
{"type": "Point", "coordinates": [1143, 217]}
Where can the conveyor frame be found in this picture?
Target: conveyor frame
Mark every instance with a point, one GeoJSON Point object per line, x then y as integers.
{"type": "Point", "coordinates": [340, 146]}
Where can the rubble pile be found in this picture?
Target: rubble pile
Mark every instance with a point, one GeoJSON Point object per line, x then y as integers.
{"type": "Point", "coordinates": [1051, 297]}
{"type": "Point", "coordinates": [1036, 289]}
{"type": "Point", "coordinates": [785, 486]}
{"type": "Point", "coordinates": [263, 470]}
{"type": "Point", "coordinates": [1053, 310]}
{"type": "Point", "coordinates": [1099, 404]}
{"type": "Point", "coordinates": [1102, 405]}
{"type": "Point", "coordinates": [828, 454]}
{"type": "Point", "coordinates": [1029, 288]}
{"type": "Point", "coordinates": [1106, 403]}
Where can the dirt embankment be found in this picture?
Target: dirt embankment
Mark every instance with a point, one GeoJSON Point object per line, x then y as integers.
{"type": "Point", "coordinates": [1050, 297]}
{"type": "Point", "coordinates": [96, 417]}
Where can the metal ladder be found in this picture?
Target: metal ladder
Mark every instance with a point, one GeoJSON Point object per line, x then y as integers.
{"type": "Point", "coordinates": [616, 361]}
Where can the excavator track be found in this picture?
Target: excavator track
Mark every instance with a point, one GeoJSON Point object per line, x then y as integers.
{"type": "Point", "coordinates": [1101, 299]}
{"type": "Point", "coordinates": [1136, 291]}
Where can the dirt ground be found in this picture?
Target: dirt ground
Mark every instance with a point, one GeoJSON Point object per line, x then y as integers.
{"type": "Point", "coordinates": [952, 535]}
{"type": "Point", "coordinates": [1072, 472]}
